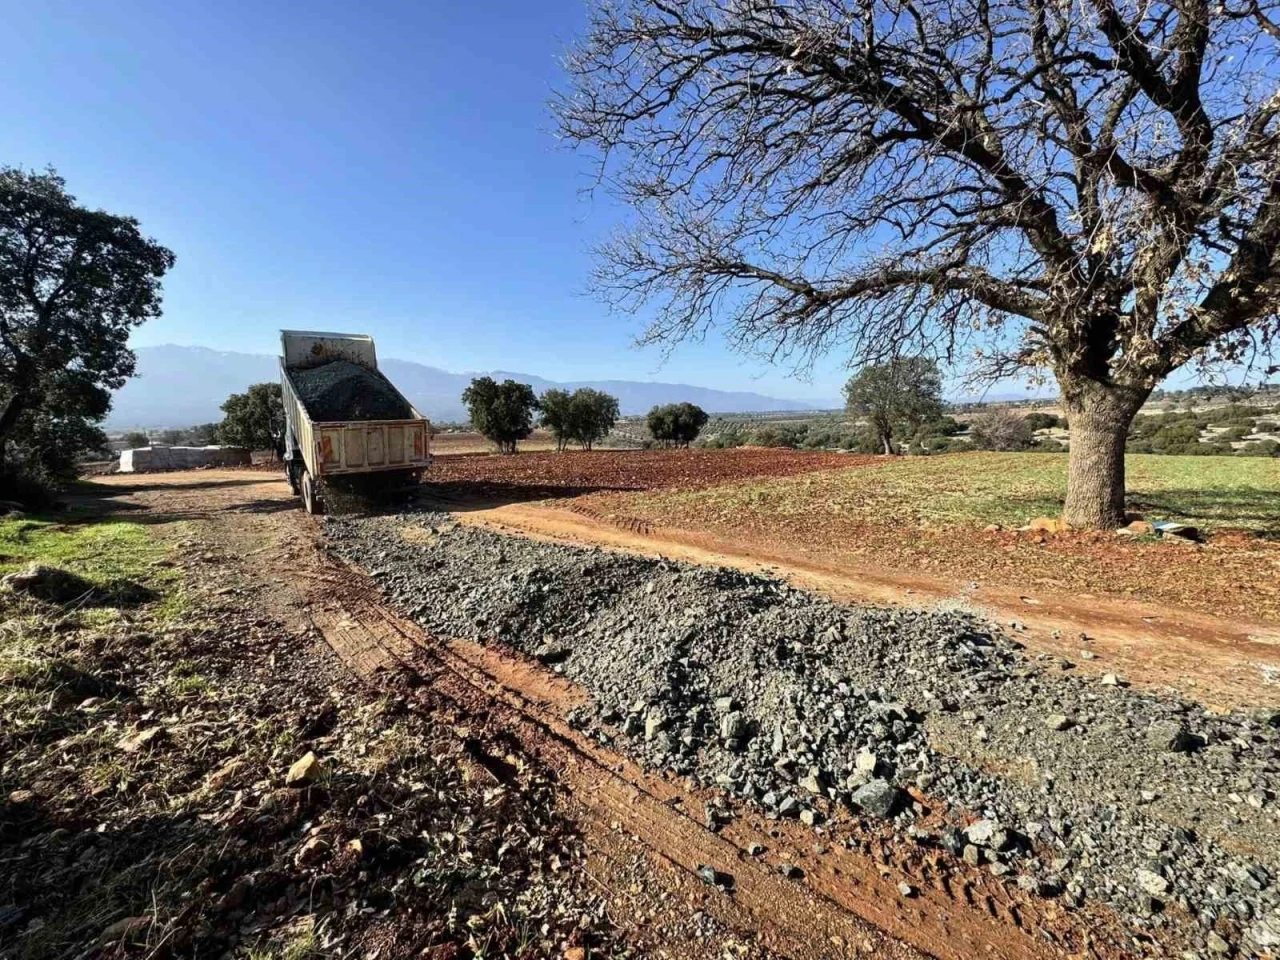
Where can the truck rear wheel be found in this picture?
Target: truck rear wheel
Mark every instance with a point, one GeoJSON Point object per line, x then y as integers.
{"type": "Point", "coordinates": [310, 495]}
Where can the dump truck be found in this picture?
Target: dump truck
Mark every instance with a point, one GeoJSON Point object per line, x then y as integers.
{"type": "Point", "coordinates": [344, 420]}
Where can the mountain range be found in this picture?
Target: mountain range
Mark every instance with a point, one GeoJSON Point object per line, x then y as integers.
{"type": "Point", "coordinates": [177, 386]}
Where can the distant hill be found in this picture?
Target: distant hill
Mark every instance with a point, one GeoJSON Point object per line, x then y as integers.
{"type": "Point", "coordinates": [179, 386]}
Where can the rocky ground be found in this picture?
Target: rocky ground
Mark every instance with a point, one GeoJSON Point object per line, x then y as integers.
{"type": "Point", "coordinates": [186, 776]}
{"type": "Point", "coordinates": [1079, 789]}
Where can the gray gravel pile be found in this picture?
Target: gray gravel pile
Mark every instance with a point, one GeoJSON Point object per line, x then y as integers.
{"type": "Point", "coordinates": [347, 391]}
{"type": "Point", "coordinates": [1085, 789]}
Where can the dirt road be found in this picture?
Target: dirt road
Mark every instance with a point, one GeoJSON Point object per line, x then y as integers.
{"type": "Point", "coordinates": [792, 892]}
{"type": "Point", "coordinates": [1215, 661]}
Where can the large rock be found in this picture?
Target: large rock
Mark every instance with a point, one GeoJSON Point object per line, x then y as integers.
{"type": "Point", "coordinates": [733, 725]}
{"type": "Point", "coordinates": [312, 851]}
{"type": "Point", "coordinates": [1152, 882]}
{"type": "Point", "coordinates": [140, 740]}
{"type": "Point", "coordinates": [981, 832]}
{"type": "Point", "coordinates": [812, 782]}
{"type": "Point", "coordinates": [1170, 735]}
{"type": "Point", "coordinates": [654, 721]}
{"type": "Point", "coordinates": [876, 797]}
{"type": "Point", "coordinates": [1266, 932]}
{"type": "Point", "coordinates": [306, 771]}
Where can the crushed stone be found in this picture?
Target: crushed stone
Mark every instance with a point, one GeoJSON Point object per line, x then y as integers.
{"type": "Point", "coordinates": [342, 390]}
{"type": "Point", "coordinates": [1141, 802]}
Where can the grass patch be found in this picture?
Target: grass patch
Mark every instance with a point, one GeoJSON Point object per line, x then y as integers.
{"type": "Point", "coordinates": [100, 551]}
{"type": "Point", "coordinates": [119, 558]}
{"type": "Point", "coordinates": [185, 680]}
{"type": "Point", "coordinates": [983, 488]}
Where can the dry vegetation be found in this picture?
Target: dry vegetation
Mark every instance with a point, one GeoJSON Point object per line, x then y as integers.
{"type": "Point", "coordinates": [147, 744]}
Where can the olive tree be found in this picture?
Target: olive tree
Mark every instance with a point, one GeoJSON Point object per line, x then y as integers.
{"type": "Point", "coordinates": [556, 407]}
{"type": "Point", "coordinates": [905, 390]}
{"type": "Point", "coordinates": [592, 414]}
{"type": "Point", "coordinates": [676, 424]}
{"type": "Point", "coordinates": [1087, 188]}
{"type": "Point", "coordinates": [502, 412]}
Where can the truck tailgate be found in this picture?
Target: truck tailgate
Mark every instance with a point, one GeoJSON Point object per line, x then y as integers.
{"type": "Point", "coordinates": [369, 445]}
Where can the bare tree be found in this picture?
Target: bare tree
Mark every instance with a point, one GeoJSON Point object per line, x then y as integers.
{"type": "Point", "coordinates": [1087, 188]}
{"type": "Point", "coordinates": [1001, 429]}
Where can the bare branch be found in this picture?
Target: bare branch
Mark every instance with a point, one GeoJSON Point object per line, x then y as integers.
{"type": "Point", "coordinates": [1089, 191]}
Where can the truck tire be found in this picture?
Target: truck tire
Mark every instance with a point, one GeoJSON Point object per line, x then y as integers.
{"type": "Point", "coordinates": [310, 495]}
{"type": "Point", "coordinates": [291, 469]}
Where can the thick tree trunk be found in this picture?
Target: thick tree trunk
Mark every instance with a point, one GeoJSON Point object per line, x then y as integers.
{"type": "Point", "coordinates": [8, 420]}
{"type": "Point", "coordinates": [1098, 416]}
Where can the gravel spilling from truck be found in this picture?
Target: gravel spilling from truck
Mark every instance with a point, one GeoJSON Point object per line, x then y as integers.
{"type": "Point", "coordinates": [342, 390]}
{"type": "Point", "coordinates": [1082, 789]}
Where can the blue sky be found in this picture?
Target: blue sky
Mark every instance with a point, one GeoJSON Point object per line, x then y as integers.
{"type": "Point", "coordinates": [385, 167]}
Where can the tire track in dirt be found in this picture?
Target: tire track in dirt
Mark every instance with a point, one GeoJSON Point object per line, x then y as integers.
{"type": "Point", "coordinates": [847, 901]}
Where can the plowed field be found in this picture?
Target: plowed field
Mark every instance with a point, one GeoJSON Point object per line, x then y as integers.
{"type": "Point", "coordinates": [577, 470]}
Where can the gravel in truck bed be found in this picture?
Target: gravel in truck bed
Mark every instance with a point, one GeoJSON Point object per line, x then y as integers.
{"type": "Point", "coordinates": [1085, 789]}
{"type": "Point", "coordinates": [347, 391]}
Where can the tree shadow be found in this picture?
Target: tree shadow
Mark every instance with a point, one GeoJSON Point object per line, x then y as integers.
{"type": "Point", "coordinates": [1258, 510]}
{"type": "Point", "coordinates": [257, 507]}
{"type": "Point", "coordinates": [64, 588]}
{"type": "Point", "coordinates": [99, 503]}
{"type": "Point", "coordinates": [79, 882]}
{"type": "Point", "coordinates": [141, 485]}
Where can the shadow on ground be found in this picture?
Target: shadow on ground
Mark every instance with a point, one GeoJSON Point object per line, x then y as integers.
{"type": "Point", "coordinates": [1255, 509]}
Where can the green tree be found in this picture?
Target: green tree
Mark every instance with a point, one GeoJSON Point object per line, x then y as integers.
{"type": "Point", "coordinates": [502, 412]}
{"type": "Point", "coordinates": [557, 415]}
{"type": "Point", "coordinates": [905, 391]}
{"type": "Point", "coordinates": [172, 437]}
{"type": "Point", "coordinates": [136, 438]}
{"type": "Point", "coordinates": [1044, 421]}
{"type": "Point", "coordinates": [1088, 191]}
{"type": "Point", "coordinates": [676, 424]}
{"type": "Point", "coordinates": [50, 440]}
{"type": "Point", "coordinates": [201, 435]}
{"type": "Point", "coordinates": [74, 283]}
{"type": "Point", "coordinates": [254, 419]}
{"type": "Point", "coordinates": [592, 414]}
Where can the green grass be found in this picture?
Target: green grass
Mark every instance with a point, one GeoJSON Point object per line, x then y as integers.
{"type": "Point", "coordinates": [107, 552]}
{"type": "Point", "coordinates": [102, 551]}
{"type": "Point", "coordinates": [1008, 489]}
